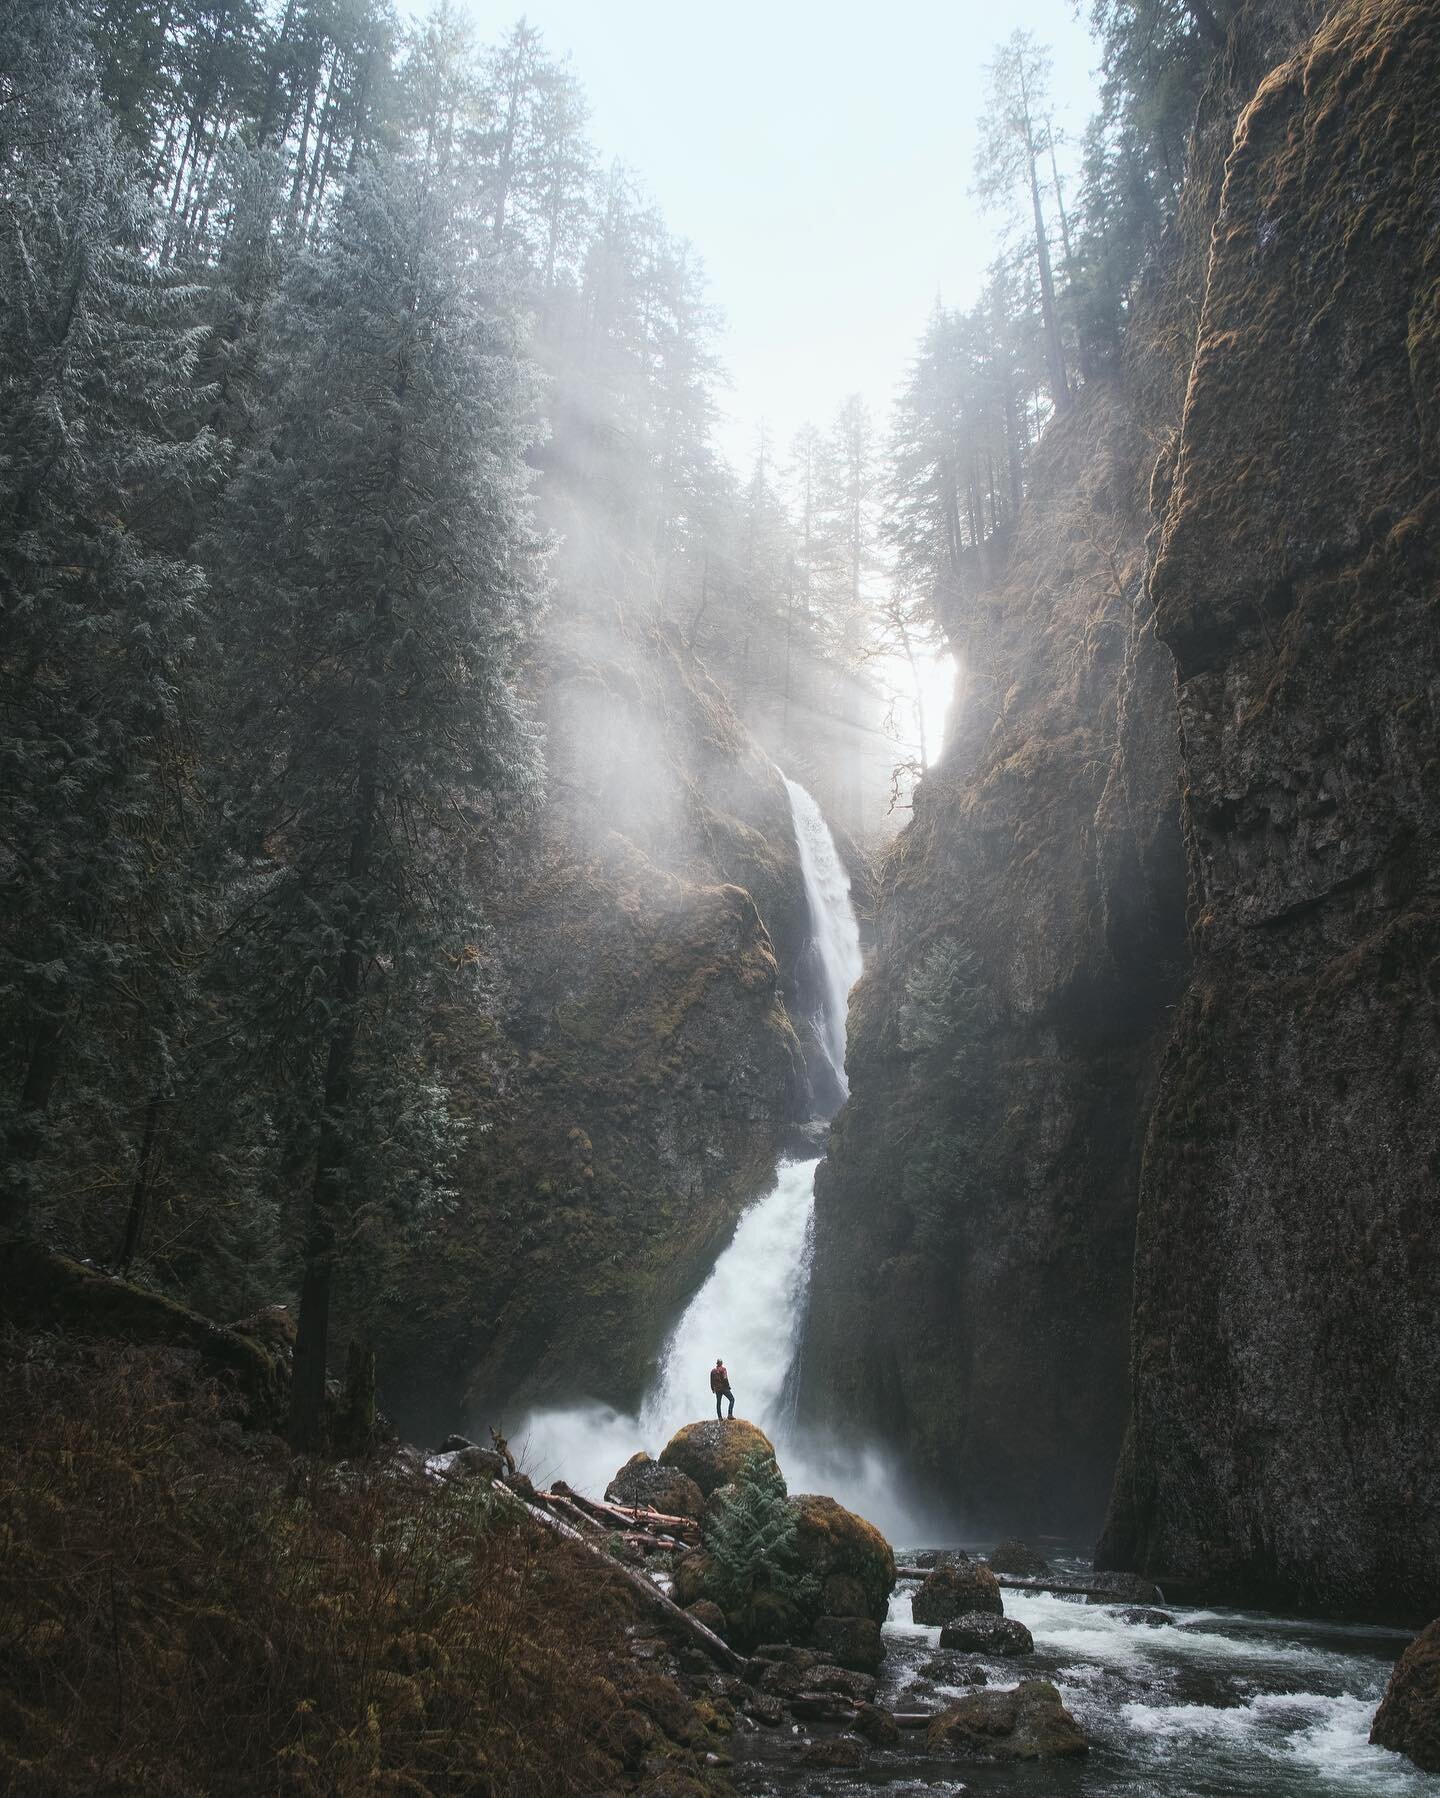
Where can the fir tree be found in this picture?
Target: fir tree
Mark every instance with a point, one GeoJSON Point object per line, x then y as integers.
{"type": "Point", "coordinates": [752, 1536]}
{"type": "Point", "coordinates": [381, 575]}
{"type": "Point", "coordinates": [97, 624]}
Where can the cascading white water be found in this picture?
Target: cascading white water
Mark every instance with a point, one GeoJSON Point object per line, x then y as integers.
{"type": "Point", "coordinates": [751, 1309]}
{"type": "Point", "coordinates": [835, 933]}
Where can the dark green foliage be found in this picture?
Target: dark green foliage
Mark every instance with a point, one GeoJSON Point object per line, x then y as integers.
{"type": "Point", "coordinates": [752, 1534]}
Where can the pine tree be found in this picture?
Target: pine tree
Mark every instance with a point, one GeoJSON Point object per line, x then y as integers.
{"type": "Point", "coordinates": [97, 354]}
{"type": "Point", "coordinates": [1008, 163]}
{"type": "Point", "coordinates": [381, 575]}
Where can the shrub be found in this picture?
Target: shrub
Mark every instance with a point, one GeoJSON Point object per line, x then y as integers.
{"type": "Point", "coordinates": [751, 1532]}
{"type": "Point", "coordinates": [184, 1608]}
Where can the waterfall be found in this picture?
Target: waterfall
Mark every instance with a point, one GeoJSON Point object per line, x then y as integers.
{"type": "Point", "coordinates": [834, 932]}
{"type": "Point", "coordinates": [751, 1309]}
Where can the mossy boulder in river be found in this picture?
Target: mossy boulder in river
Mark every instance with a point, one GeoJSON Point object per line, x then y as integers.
{"type": "Point", "coordinates": [1026, 1723]}
{"type": "Point", "coordinates": [851, 1560]}
{"type": "Point", "coordinates": [711, 1453]}
{"type": "Point", "coordinates": [955, 1591]}
{"type": "Point", "coordinates": [1408, 1720]}
{"type": "Point", "coordinates": [1018, 1559]}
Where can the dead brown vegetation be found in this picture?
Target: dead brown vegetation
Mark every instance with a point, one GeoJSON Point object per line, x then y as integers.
{"type": "Point", "coordinates": [186, 1610]}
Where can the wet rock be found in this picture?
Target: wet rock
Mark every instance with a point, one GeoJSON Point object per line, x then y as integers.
{"type": "Point", "coordinates": [938, 1557]}
{"type": "Point", "coordinates": [765, 1708]}
{"type": "Point", "coordinates": [476, 1464]}
{"type": "Point", "coordinates": [820, 1707]}
{"type": "Point", "coordinates": [711, 1453]}
{"type": "Point", "coordinates": [783, 1680]}
{"type": "Point", "coordinates": [955, 1591]}
{"type": "Point", "coordinates": [1025, 1723]}
{"type": "Point", "coordinates": [790, 1652]}
{"type": "Point", "coordinates": [1146, 1616]}
{"type": "Point", "coordinates": [854, 1642]}
{"type": "Point", "coordinates": [833, 1751]}
{"type": "Point", "coordinates": [877, 1725]}
{"type": "Point", "coordinates": [952, 1672]}
{"type": "Point", "coordinates": [1017, 1559]}
{"type": "Point", "coordinates": [452, 1443]}
{"type": "Point", "coordinates": [1408, 1720]}
{"type": "Point", "coordinates": [844, 1596]}
{"type": "Point", "coordinates": [642, 1481]}
{"type": "Point", "coordinates": [981, 1632]}
{"type": "Point", "coordinates": [831, 1540]}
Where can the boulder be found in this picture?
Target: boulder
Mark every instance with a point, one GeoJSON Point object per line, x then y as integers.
{"type": "Point", "coordinates": [1024, 1723]}
{"type": "Point", "coordinates": [1018, 1559]}
{"type": "Point", "coordinates": [951, 1672]}
{"type": "Point", "coordinates": [853, 1642]}
{"type": "Point", "coordinates": [844, 1596]}
{"type": "Point", "coordinates": [982, 1632]}
{"type": "Point", "coordinates": [765, 1709]}
{"type": "Point", "coordinates": [1146, 1616]}
{"type": "Point", "coordinates": [452, 1443]}
{"type": "Point", "coordinates": [1408, 1720]}
{"type": "Point", "coordinates": [711, 1453]}
{"type": "Point", "coordinates": [831, 1540]}
{"type": "Point", "coordinates": [706, 1611]}
{"type": "Point", "coordinates": [938, 1557]}
{"type": "Point", "coordinates": [833, 1751]}
{"type": "Point", "coordinates": [877, 1725]}
{"type": "Point", "coordinates": [642, 1481]}
{"type": "Point", "coordinates": [691, 1576]}
{"type": "Point", "coordinates": [475, 1464]}
{"type": "Point", "coordinates": [1121, 1588]}
{"type": "Point", "coordinates": [955, 1590]}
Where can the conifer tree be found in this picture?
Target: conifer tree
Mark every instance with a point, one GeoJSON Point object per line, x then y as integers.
{"type": "Point", "coordinates": [380, 575]}
{"type": "Point", "coordinates": [98, 354]}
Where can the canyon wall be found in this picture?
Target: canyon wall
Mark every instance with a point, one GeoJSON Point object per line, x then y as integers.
{"type": "Point", "coordinates": [1286, 1360]}
{"type": "Point", "coordinates": [975, 1219]}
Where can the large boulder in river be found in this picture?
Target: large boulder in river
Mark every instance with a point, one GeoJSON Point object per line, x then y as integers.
{"type": "Point", "coordinates": [1018, 1559]}
{"type": "Point", "coordinates": [852, 1563]}
{"type": "Point", "coordinates": [953, 1591]}
{"type": "Point", "coordinates": [982, 1632]}
{"type": "Point", "coordinates": [1025, 1723]}
{"type": "Point", "coordinates": [642, 1481]}
{"type": "Point", "coordinates": [853, 1642]}
{"type": "Point", "coordinates": [1408, 1720]}
{"type": "Point", "coordinates": [711, 1453]}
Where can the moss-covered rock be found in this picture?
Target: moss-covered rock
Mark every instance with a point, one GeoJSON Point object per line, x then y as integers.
{"type": "Point", "coordinates": [642, 1481]}
{"type": "Point", "coordinates": [1026, 1723]}
{"type": "Point", "coordinates": [981, 1632]}
{"type": "Point", "coordinates": [832, 1541]}
{"type": "Point", "coordinates": [1408, 1720]}
{"type": "Point", "coordinates": [1017, 1559]}
{"type": "Point", "coordinates": [955, 1590]}
{"type": "Point", "coordinates": [711, 1453]}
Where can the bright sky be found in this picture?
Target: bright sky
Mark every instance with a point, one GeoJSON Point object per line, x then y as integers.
{"type": "Point", "coordinates": [818, 154]}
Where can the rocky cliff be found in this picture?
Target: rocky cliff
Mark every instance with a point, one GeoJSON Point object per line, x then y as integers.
{"type": "Point", "coordinates": [1286, 1362]}
{"type": "Point", "coordinates": [975, 1219]}
{"type": "Point", "coordinates": [630, 1059]}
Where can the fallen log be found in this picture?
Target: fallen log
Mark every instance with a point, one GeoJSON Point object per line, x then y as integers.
{"type": "Point", "coordinates": [644, 1589]}
{"type": "Point", "coordinates": [1067, 1584]}
{"type": "Point", "coordinates": [604, 1512]}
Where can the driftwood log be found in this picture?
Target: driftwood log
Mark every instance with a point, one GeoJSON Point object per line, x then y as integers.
{"type": "Point", "coordinates": [1066, 1584]}
{"type": "Point", "coordinates": [643, 1587]}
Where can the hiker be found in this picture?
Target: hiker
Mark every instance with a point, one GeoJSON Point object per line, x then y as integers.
{"type": "Point", "coordinates": [720, 1386]}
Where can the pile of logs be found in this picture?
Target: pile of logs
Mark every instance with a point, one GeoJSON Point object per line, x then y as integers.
{"type": "Point", "coordinates": [640, 1527]}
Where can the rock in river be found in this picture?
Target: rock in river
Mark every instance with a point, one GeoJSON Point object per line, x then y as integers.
{"type": "Point", "coordinates": [1408, 1720]}
{"type": "Point", "coordinates": [1026, 1723]}
{"type": "Point", "coordinates": [982, 1632]}
{"type": "Point", "coordinates": [832, 1541]}
{"type": "Point", "coordinates": [1018, 1559]}
{"type": "Point", "coordinates": [853, 1642]}
{"type": "Point", "coordinates": [954, 1591]}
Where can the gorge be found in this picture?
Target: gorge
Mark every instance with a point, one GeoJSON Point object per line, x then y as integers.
{"type": "Point", "coordinates": [488, 924]}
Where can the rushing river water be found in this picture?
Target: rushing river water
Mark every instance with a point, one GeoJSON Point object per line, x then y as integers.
{"type": "Point", "coordinates": [1221, 1704]}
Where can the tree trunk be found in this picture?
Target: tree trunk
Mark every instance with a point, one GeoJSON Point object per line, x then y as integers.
{"type": "Point", "coordinates": [1054, 353]}
{"type": "Point", "coordinates": [140, 1189]}
{"type": "Point", "coordinates": [27, 1133]}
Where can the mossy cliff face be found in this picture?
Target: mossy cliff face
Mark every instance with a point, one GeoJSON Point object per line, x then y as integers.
{"type": "Point", "coordinates": [1286, 1360]}
{"type": "Point", "coordinates": [629, 1059]}
{"type": "Point", "coordinates": [975, 1218]}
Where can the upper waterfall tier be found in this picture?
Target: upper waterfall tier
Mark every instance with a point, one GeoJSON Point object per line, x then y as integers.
{"type": "Point", "coordinates": [835, 933]}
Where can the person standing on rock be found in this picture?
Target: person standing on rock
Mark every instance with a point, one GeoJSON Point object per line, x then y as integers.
{"type": "Point", "coordinates": [720, 1386]}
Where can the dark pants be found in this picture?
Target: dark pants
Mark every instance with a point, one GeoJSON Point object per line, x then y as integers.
{"type": "Point", "coordinates": [725, 1392]}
